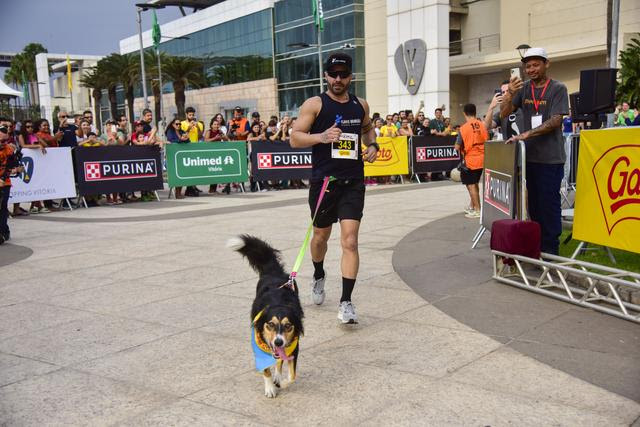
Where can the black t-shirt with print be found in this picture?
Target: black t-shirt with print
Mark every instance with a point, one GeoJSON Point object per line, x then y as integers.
{"type": "Point", "coordinates": [547, 148]}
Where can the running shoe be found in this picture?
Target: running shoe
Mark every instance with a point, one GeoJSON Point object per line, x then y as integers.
{"type": "Point", "coordinates": [317, 289]}
{"type": "Point", "coordinates": [347, 312]}
{"type": "Point", "coordinates": [473, 214]}
{"type": "Point", "coordinates": [34, 210]}
{"type": "Point", "coordinates": [44, 210]}
{"type": "Point", "coordinates": [468, 209]}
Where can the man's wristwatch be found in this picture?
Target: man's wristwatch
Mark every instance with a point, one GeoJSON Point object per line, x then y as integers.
{"type": "Point", "coordinates": [374, 144]}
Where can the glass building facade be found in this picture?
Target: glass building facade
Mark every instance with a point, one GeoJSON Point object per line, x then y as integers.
{"type": "Point", "coordinates": [296, 47]}
{"type": "Point", "coordinates": [277, 42]}
{"type": "Point", "coordinates": [232, 52]}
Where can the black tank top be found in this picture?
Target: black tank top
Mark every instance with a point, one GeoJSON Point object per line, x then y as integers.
{"type": "Point", "coordinates": [342, 159]}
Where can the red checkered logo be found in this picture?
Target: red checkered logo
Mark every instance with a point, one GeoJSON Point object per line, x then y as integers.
{"type": "Point", "coordinates": [92, 171]}
{"type": "Point", "coordinates": [264, 161]}
{"type": "Point", "coordinates": [421, 153]}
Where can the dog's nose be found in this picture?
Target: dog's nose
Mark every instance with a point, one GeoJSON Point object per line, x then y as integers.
{"type": "Point", "coordinates": [278, 342]}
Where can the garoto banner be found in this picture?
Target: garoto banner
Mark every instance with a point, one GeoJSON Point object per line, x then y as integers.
{"type": "Point", "coordinates": [206, 163]}
{"type": "Point", "coordinates": [46, 176]}
{"type": "Point", "coordinates": [393, 158]}
{"type": "Point", "coordinates": [102, 170]}
{"type": "Point", "coordinates": [431, 153]}
{"type": "Point", "coordinates": [607, 210]}
{"type": "Point", "coordinates": [277, 160]}
{"type": "Point", "coordinates": [500, 182]}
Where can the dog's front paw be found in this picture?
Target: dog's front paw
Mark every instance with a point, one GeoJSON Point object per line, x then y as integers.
{"type": "Point", "coordinates": [277, 380]}
{"type": "Point", "coordinates": [270, 389]}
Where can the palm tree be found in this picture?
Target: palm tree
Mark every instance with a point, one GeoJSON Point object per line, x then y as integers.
{"type": "Point", "coordinates": [124, 69]}
{"type": "Point", "coordinates": [94, 80]}
{"type": "Point", "coordinates": [183, 72]}
{"type": "Point", "coordinates": [151, 70]}
{"type": "Point", "coordinates": [25, 62]}
{"type": "Point", "coordinates": [110, 74]}
{"type": "Point", "coordinates": [629, 74]}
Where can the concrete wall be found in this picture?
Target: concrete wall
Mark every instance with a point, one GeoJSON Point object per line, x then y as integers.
{"type": "Point", "coordinates": [482, 20]}
{"type": "Point", "coordinates": [427, 20]}
{"type": "Point", "coordinates": [259, 95]}
{"type": "Point", "coordinates": [375, 47]}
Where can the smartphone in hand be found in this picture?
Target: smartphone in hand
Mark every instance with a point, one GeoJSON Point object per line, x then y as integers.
{"type": "Point", "coordinates": [515, 72]}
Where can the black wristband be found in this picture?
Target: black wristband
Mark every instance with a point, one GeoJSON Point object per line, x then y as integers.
{"type": "Point", "coordinates": [374, 144]}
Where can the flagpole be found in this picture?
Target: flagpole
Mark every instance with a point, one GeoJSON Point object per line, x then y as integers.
{"type": "Point", "coordinates": [320, 68]}
{"type": "Point", "coordinates": [161, 118]}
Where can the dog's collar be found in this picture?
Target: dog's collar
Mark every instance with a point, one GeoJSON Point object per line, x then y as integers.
{"type": "Point", "coordinates": [266, 347]}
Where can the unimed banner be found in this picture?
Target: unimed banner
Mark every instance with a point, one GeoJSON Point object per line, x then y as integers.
{"type": "Point", "coordinates": [119, 169]}
{"type": "Point", "coordinates": [607, 209]}
{"type": "Point", "coordinates": [46, 176]}
{"type": "Point", "coordinates": [393, 158]}
{"type": "Point", "coordinates": [500, 178]}
{"type": "Point", "coordinates": [206, 163]}
{"type": "Point", "coordinates": [277, 160]}
{"type": "Point", "coordinates": [431, 153]}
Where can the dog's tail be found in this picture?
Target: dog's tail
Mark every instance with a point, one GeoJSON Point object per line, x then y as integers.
{"type": "Point", "coordinates": [261, 256]}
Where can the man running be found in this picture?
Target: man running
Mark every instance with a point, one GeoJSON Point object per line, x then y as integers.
{"type": "Point", "coordinates": [335, 124]}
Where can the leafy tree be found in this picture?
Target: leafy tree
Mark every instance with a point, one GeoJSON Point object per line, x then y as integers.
{"type": "Point", "coordinates": [183, 72]}
{"type": "Point", "coordinates": [629, 74]}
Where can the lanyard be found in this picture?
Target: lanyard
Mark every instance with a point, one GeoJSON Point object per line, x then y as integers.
{"type": "Point", "coordinates": [536, 104]}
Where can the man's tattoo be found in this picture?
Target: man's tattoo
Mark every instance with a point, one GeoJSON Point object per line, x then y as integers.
{"type": "Point", "coordinates": [552, 123]}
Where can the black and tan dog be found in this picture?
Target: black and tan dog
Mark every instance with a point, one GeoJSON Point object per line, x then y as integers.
{"type": "Point", "coordinates": [276, 313]}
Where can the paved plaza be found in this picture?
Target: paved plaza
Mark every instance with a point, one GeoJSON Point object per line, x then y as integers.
{"type": "Point", "coordinates": [139, 315]}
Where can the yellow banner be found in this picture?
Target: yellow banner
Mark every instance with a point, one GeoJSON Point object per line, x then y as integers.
{"type": "Point", "coordinates": [607, 210]}
{"type": "Point", "coordinates": [393, 158]}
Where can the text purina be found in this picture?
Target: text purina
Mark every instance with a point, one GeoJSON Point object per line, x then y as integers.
{"type": "Point", "coordinates": [131, 168]}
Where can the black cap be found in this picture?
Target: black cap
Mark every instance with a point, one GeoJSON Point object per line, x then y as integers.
{"type": "Point", "coordinates": [338, 59]}
{"type": "Point", "coordinates": [255, 114]}
{"type": "Point", "coordinates": [238, 108]}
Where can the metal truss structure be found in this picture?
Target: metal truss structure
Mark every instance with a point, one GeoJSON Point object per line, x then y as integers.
{"type": "Point", "coordinates": [549, 276]}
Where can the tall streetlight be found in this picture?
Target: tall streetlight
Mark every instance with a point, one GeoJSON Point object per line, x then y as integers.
{"type": "Point", "coordinates": [142, 7]}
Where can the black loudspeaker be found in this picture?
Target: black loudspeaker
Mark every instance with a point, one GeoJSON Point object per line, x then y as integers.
{"type": "Point", "coordinates": [597, 91]}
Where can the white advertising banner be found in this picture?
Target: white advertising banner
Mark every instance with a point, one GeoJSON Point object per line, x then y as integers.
{"type": "Point", "coordinates": [45, 177]}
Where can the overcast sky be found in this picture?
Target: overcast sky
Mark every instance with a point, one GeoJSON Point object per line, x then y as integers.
{"type": "Point", "coordinates": [89, 27]}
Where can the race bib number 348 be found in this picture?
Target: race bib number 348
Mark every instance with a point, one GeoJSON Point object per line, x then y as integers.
{"type": "Point", "coordinates": [346, 147]}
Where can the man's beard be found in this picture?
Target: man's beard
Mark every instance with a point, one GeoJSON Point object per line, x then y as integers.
{"type": "Point", "coordinates": [340, 90]}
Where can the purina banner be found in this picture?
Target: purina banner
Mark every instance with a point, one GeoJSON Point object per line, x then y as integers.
{"type": "Point", "coordinates": [277, 160]}
{"type": "Point", "coordinates": [206, 163]}
{"type": "Point", "coordinates": [45, 177]}
{"type": "Point", "coordinates": [393, 158]}
{"type": "Point", "coordinates": [607, 210]}
{"type": "Point", "coordinates": [431, 153]}
{"type": "Point", "coordinates": [120, 169]}
{"type": "Point", "coordinates": [500, 182]}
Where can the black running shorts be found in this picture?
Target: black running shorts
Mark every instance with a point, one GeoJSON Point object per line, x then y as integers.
{"type": "Point", "coordinates": [471, 176]}
{"type": "Point", "coordinates": [343, 200]}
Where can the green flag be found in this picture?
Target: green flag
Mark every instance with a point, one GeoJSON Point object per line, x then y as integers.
{"type": "Point", "coordinates": [25, 89]}
{"type": "Point", "coordinates": [318, 14]}
{"type": "Point", "coordinates": [155, 31]}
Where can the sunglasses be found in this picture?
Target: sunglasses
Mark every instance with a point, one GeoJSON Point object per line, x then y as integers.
{"type": "Point", "coordinates": [4, 129]}
{"type": "Point", "coordinates": [342, 74]}
{"type": "Point", "coordinates": [176, 124]}
{"type": "Point", "coordinates": [63, 117]}
{"type": "Point", "coordinates": [29, 126]}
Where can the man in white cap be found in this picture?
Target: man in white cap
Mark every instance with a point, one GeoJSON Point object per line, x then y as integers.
{"type": "Point", "coordinates": [544, 102]}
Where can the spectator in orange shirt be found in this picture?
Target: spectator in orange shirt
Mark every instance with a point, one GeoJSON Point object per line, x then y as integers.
{"type": "Point", "coordinates": [473, 134]}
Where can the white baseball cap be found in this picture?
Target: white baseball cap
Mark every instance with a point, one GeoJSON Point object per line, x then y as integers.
{"type": "Point", "coordinates": [535, 52]}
